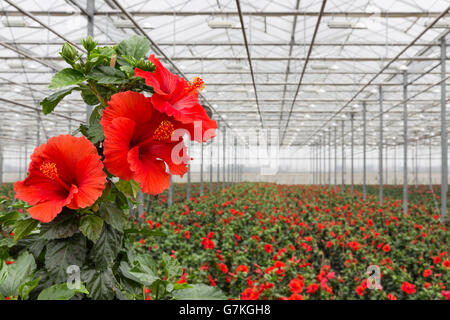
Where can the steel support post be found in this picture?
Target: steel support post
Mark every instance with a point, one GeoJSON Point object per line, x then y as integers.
{"type": "Point", "coordinates": [210, 167]}
{"type": "Point", "coordinates": [170, 197]}
{"type": "Point", "coordinates": [329, 159]}
{"type": "Point", "coordinates": [343, 157]}
{"type": "Point", "coordinates": [444, 141]}
{"type": "Point", "coordinates": [90, 10]}
{"type": "Point", "coordinates": [201, 169]}
{"type": "Point", "coordinates": [364, 152]}
{"type": "Point", "coordinates": [352, 154]}
{"type": "Point", "coordinates": [224, 158]}
{"type": "Point", "coordinates": [335, 158]}
{"type": "Point", "coordinates": [429, 165]}
{"type": "Point", "coordinates": [405, 143]}
{"type": "Point", "coordinates": [380, 147]}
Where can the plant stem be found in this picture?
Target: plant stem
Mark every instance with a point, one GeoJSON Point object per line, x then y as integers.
{"type": "Point", "coordinates": [95, 91]}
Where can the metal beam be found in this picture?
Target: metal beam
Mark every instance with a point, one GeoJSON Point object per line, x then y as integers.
{"type": "Point", "coordinates": [238, 4]}
{"type": "Point", "coordinates": [380, 146]}
{"type": "Point", "coordinates": [271, 13]}
{"type": "Point", "coordinates": [405, 144]}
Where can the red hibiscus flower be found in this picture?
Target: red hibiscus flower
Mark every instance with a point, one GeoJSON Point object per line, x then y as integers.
{"type": "Point", "coordinates": [313, 287]}
{"type": "Point", "coordinates": [386, 248]}
{"type": "Point", "coordinates": [296, 285]}
{"type": "Point", "coordinates": [66, 171]}
{"type": "Point", "coordinates": [242, 268]}
{"type": "Point", "coordinates": [138, 142]}
{"type": "Point", "coordinates": [391, 296]}
{"type": "Point", "coordinates": [176, 97]}
{"type": "Point", "coordinates": [296, 296]}
{"type": "Point", "coordinates": [268, 247]}
{"type": "Point", "coordinates": [408, 288]}
{"type": "Point", "coordinates": [223, 267]}
{"type": "Point", "coordinates": [427, 273]}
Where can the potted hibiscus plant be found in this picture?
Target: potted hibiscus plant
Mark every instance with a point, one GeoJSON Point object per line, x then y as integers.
{"type": "Point", "coordinates": [70, 234]}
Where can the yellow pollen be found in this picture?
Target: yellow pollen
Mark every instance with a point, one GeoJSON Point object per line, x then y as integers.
{"type": "Point", "coordinates": [196, 84]}
{"type": "Point", "coordinates": [49, 170]}
{"type": "Point", "coordinates": [164, 131]}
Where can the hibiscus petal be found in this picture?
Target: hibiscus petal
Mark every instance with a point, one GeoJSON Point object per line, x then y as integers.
{"type": "Point", "coordinates": [163, 151]}
{"type": "Point", "coordinates": [118, 135]}
{"type": "Point", "coordinates": [36, 188]}
{"type": "Point", "coordinates": [47, 211]}
{"type": "Point", "coordinates": [91, 182]}
{"type": "Point", "coordinates": [150, 173]}
{"type": "Point", "coordinates": [128, 104]}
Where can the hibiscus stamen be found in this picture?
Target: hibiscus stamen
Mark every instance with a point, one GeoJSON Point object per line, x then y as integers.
{"type": "Point", "coordinates": [197, 84]}
{"type": "Point", "coordinates": [49, 170]}
{"type": "Point", "coordinates": [164, 131]}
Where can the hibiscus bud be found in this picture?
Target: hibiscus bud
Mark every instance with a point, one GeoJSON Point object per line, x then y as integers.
{"type": "Point", "coordinates": [145, 65]}
{"type": "Point", "coordinates": [89, 44]}
{"type": "Point", "coordinates": [95, 208]}
{"type": "Point", "coordinates": [68, 53]}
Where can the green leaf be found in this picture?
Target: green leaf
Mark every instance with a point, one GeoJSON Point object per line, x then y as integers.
{"type": "Point", "coordinates": [199, 292]}
{"type": "Point", "coordinates": [63, 226]}
{"type": "Point", "coordinates": [95, 133]}
{"type": "Point", "coordinates": [179, 286]}
{"type": "Point", "coordinates": [99, 283]}
{"type": "Point", "coordinates": [18, 273]}
{"type": "Point", "coordinates": [91, 226]}
{"type": "Point", "coordinates": [25, 288]}
{"type": "Point", "coordinates": [66, 77]}
{"type": "Point", "coordinates": [6, 242]}
{"type": "Point", "coordinates": [24, 228]}
{"type": "Point", "coordinates": [129, 187]}
{"type": "Point", "coordinates": [113, 215]}
{"type": "Point", "coordinates": [172, 267]}
{"type": "Point", "coordinates": [49, 103]}
{"type": "Point", "coordinates": [60, 291]}
{"type": "Point", "coordinates": [106, 249]}
{"type": "Point", "coordinates": [136, 46]}
{"type": "Point", "coordinates": [89, 97]}
{"type": "Point", "coordinates": [10, 218]}
{"type": "Point", "coordinates": [62, 253]}
{"type": "Point", "coordinates": [107, 75]}
{"type": "Point", "coordinates": [144, 270]}
{"type": "Point", "coordinates": [96, 115]}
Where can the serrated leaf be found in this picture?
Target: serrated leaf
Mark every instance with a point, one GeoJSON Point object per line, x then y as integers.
{"type": "Point", "coordinates": [60, 291]}
{"type": "Point", "coordinates": [129, 187]}
{"type": "Point", "coordinates": [107, 75]}
{"type": "Point", "coordinates": [66, 77]}
{"type": "Point", "coordinates": [10, 218]}
{"type": "Point", "coordinates": [62, 253]}
{"type": "Point", "coordinates": [144, 270]}
{"type": "Point", "coordinates": [113, 215]}
{"type": "Point", "coordinates": [172, 267]}
{"type": "Point", "coordinates": [18, 273]}
{"type": "Point", "coordinates": [107, 247]}
{"type": "Point", "coordinates": [24, 228]}
{"type": "Point", "coordinates": [95, 133]}
{"type": "Point", "coordinates": [63, 226]}
{"type": "Point", "coordinates": [99, 283]}
{"type": "Point", "coordinates": [199, 292]}
{"type": "Point", "coordinates": [25, 288]}
{"type": "Point", "coordinates": [49, 103]}
{"type": "Point", "coordinates": [91, 226]}
{"type": "Point", "coordinates": [136, 46]}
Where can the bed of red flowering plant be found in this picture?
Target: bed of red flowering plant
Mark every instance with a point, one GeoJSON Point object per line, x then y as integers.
{"type": "Point", "coordinates": [67, 230]}
{"type": "Point", "coordinates": [267, 241]}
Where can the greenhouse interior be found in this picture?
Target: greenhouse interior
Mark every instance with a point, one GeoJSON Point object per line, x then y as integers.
{"type": "Point", "coordinates": [245, 150]}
